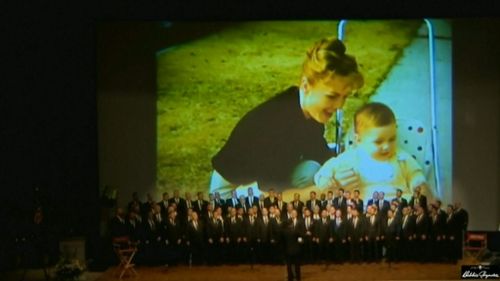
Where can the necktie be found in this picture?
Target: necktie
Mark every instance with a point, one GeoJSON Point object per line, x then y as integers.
{"type": "Point", "coordinates": [195, 225]}
{"type": "Point", "coordinates": [355, 222]}
{"type": "Point", "coordinates": [265, 220]}
{"type": "Point", "coordinates": [390, 221]}
{"type": "Point", "coordinates": [250, 200]}
{"type": "Point", "coordinates": [372, 219]}
{"type": "Point", "coordinates": [176, 200]}
{"type": "Point", "coordinates": [307, 225]}
{"type": "Point", "coordinates": [404, 221]}
{"type": "Point", "coordinates": [199, 204]}
{"type": "Point", "coordinates": [338, 221]}
{"type": "Point", "coordinates": [294, 223]}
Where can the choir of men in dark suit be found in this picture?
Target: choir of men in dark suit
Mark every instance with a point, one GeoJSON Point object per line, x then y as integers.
{"type": "Point", "coordinates": [250, 229]}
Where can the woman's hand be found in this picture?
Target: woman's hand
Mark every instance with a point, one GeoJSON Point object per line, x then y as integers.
{"type": "Point", "coordinates": [346, 179]}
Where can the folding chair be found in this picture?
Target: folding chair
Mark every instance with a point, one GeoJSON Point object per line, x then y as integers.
{"type": "Point", "coordinates": [475, 244]}
{"type": "Point", "coordinates": [125, 251]}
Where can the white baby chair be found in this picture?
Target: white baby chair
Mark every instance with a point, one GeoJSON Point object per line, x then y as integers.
{"type": "Point", "coordinates": [413, 136]}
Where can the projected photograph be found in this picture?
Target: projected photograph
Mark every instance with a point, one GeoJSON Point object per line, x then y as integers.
{"type": "Point", "coordinates": [301, 106]}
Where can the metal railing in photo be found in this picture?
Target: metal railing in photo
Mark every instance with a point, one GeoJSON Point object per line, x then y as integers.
{"type": "Point", "coordinates": [432, 88]}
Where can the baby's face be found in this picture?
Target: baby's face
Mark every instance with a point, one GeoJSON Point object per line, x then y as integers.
{"type": "Point", "coordinates": [378, 142]}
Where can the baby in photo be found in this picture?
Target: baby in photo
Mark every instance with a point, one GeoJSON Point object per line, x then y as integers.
{"type": "Point", "coordinates": [375, 158]}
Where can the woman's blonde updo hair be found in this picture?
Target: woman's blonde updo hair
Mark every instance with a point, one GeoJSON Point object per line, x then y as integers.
{"type": "Point", "coordinates": [328, 58]}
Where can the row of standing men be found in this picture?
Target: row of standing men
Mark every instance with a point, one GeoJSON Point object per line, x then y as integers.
{"type": "Point", "coordinates": [252, 232]}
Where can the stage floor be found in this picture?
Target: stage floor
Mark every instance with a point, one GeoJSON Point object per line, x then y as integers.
{"type": "Point", "coordinates": [364, 271]}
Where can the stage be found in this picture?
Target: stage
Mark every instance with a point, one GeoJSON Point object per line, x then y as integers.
{"type": "Point", "coordinates": [347, 271]}
{"type": "Point", "coordinates": [363, 271]}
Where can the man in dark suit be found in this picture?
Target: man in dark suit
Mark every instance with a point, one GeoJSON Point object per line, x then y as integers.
{"type": "Point", "coordinates": [358, 202]}
{"type": "Point", "coordinates": [189, 201]}
{"type": "Point", "coordinates": [134, 226]}
{"type": "Point", "coordinates": [148, 205]}
{"type": "Point", "coordinates": [288, 214]}
{"type": "Point", "coordinates": [312, 202]}
{"type": "Point", "coordinates": [152, 240]}
{"type": "Point", "coordinates": [418, 199]}
{"type": "Point", "coordinates": [262, 204]}
{"type": "Point", "coordinates": [309, 228]}
{"type": "Point", "coordinates": [339, 243]}
{"type": "Point", "coordinates": [136, 234]}
{"type": "Point", "coordinates": [373, 200]}
{"type": "Point", "coordinates": [251, 199]}
{"type": "Point", "coordinates": [280, 204]}
{"type": "Point", "coordinates": [322, 201]}
{"type": "Point", "coordinates": [233, 201]}
{"type": "Point", "coordinates": [462, 219]}
{"type": "Point", "coordinates": [421, 234]}
{"type": "Point", "coordinates": [200, 204]}
{"type": "Point", "coordinates": [263, 237]}
{"type": "Point", "coordinates": [297, 204]}
{"type": "Point", "coordinates": [329, 199]}
{"type": "Point", "coordinates": [373, 227]}
{"type": "Point", "coordinates": [391, 231]}
{"type": "Point", "coordinates": [135, 201]}
{"type": "Point", "coordinates": [181, 205]}
{"type": "Point", "coordinates": [339, 202]}
{"type": "Point", "coordinates": [217, 239]}
{"type": "Point", "coordinates": [436, 234]}
{"type": "Point", "coordinates": [383, 205]}
{"type": "Point", "coordinates": [208, 214]}
{"type": "Point", "coordinates": [402, 202]}
{"type": "Point", "coordinates": [322, 236]}
{"type": "Point", "coordinates": [235, 233]}
{"type": "Point", "coordinates": [195, 237]}
{"type": "Point", "coordinates": [219, 202]}
{"type": "Point", "coordinates": [270, 200]}
{"type": "Point", "coordinates": [453, 232]}
{"type": "Point", "coordinates": [117, 225]}
{"type": "Point", "coordinates": [242, 204]}
{"type": "Point", "coordinates": [355, 236]}
{"type": "Point", "coordinates": [173, 239]}
{"type": "Point", "coordinates": [407, 243]}
{"type": "Point", "coordinates": [275, 237]}
{"type": "Point", "coordinates": [251, 229]}
{"type": "Point", "coordinates": [293, 237]}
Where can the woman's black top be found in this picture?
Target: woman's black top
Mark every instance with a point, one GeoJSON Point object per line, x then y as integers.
{"type": "Point", "coordinates": [269, 141]}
